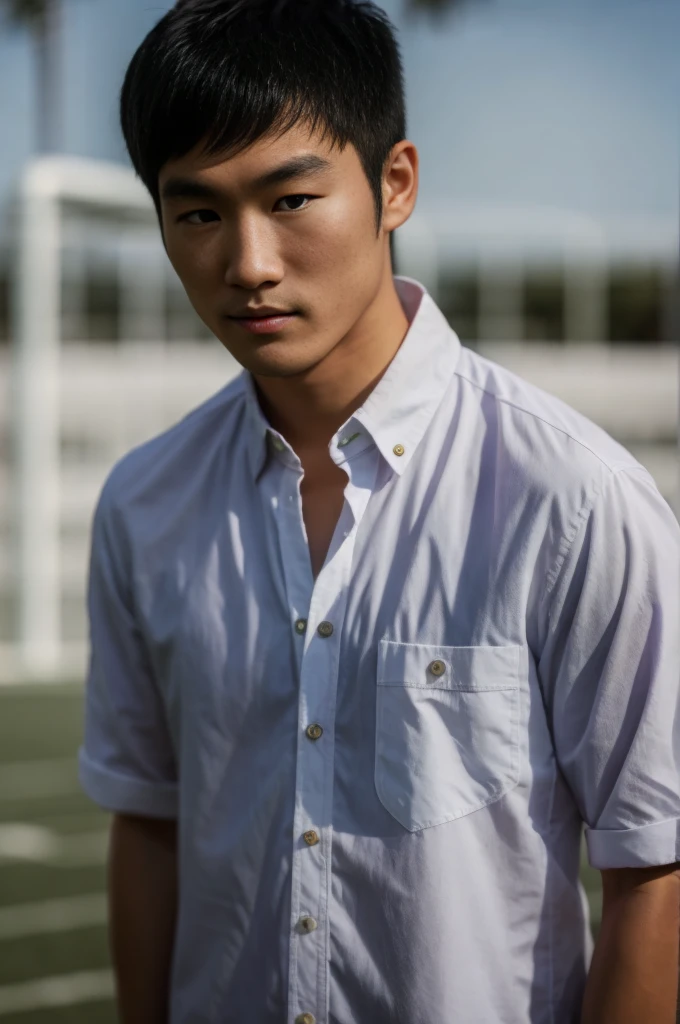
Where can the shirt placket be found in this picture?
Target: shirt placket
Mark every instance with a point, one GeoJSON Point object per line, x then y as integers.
{"type": "Point", "coordinates": [317, 611]}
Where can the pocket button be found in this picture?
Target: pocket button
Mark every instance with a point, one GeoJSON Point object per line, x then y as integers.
{"type": "Point", "coordinates": [437, 668]}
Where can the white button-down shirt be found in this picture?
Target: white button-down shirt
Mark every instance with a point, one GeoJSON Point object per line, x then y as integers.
{"type": "Point", "coordinates": [381, 776]}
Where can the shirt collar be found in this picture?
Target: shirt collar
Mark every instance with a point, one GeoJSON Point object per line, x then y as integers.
{"type": "Point", "coordinates": [398, 411]}
{"type": "Point", "coordinates": [259, 434]}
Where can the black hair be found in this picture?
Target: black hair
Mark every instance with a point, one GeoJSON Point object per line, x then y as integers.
{"type": "Point", "coordinates": [229, 72]}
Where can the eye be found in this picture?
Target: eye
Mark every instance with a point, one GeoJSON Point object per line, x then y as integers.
{"type": "Point", "coordinates": [199, 217]}
{"type": "Point", "coordinates": [295, 199]}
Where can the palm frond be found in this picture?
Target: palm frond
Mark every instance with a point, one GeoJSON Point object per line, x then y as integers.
{"type": "Point", "coordinates": [435, 8]}
{"type": "Point", "coordinates": [23, 12]}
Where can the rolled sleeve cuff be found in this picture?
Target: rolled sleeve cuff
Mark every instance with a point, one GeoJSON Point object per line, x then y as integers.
{"type": "Point", "coordinates": [124, 794]}
{"type": "Point", "coordinates": [646, 846]}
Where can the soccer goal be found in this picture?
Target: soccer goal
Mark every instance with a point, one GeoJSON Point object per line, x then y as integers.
{"type": "Point", "coordinates": [106, 353]}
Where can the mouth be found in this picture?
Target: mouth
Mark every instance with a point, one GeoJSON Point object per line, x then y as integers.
{"type": "Point", "coordinates": [267, 324]}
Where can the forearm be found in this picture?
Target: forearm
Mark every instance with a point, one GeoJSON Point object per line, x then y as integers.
{"type": "Point", "coordinates": [142, 915]}
{"type": "Point", "coordinates": [633, 977]}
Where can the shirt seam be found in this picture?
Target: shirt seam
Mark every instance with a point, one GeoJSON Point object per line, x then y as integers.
{"type": "Point", "coordinates": [634, 828]}
{"type": "Point", "coordinates": [542, 419]}
{"type": "Point", "coordinates": [158, 785]}
{"type": "Point", "coordinates": [582, 516]}
{"type": "Point", "coordinates": [551, 917]}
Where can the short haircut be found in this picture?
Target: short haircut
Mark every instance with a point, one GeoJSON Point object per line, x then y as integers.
{"type": "Point", "coordinates": [229, 72]}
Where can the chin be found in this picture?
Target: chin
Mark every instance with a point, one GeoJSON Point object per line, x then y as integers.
{"type": "Point", "coordinates": [280, 368]}
{"type": "Point", "coordinates": [276, 359]}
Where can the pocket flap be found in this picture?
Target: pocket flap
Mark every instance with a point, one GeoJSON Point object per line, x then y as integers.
{"type": "Point", "coordinates": [448, 668]}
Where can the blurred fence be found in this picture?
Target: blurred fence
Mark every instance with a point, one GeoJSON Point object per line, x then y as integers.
{"type": "Point", "coordinates": [81, 386]}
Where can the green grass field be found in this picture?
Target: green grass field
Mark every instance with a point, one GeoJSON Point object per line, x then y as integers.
{"type": "Point", "coordinates": [54, 963]}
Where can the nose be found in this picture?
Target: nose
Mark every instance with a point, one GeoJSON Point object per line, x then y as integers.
{"type": "Point", "coordinates": [252, 257]}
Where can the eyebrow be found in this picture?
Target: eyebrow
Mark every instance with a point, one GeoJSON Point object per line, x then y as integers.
{"type": "Point", "coordinates": [190, 188]}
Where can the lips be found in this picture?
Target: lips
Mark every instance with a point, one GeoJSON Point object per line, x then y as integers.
{"type": "Point", "coordinates": [266, 314]}
{"type": "Point", "coordinates": [265, 324]}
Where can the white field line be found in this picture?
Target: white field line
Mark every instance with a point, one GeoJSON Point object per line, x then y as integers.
{"type": "Point", "coordinates": [63, 990]}
{"type": "Point", "coordinates": [83, 849]}
{"type": "Point", "coordinates": [20, 841]}
{"type": "Point", "coordinates": [26, 780]}
{"type": "Point", "coordinates": [68, 824]}
{"type": "Point", "coordinates": [53, 916]}
{"type": "Point", "coordinates": [11, 687]}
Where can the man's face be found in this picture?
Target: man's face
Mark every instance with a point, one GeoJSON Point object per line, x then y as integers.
{"type": "Point", "coordinates": [305, 243]}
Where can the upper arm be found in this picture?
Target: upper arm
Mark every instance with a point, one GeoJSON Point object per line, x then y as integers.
{"type": "Point", "coordinates": [161, 831]}
{"type": "Point", "coordinates": [127, 760]}
{"type": "Point", "coordinates": [610, 668]}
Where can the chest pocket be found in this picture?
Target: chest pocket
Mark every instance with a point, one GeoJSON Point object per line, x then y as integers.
{"type": "Point", "coordinates": [447, 730]}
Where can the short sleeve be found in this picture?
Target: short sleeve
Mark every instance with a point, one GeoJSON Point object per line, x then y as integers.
{"type": "Point", "coordinates": [126, 762]}
{"type": "Point", "coordinates": [610, 672]}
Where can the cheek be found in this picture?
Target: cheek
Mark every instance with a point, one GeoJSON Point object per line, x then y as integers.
{"type": "Point", "coordinates": [196, 263]}
{"type": "Point", "coordinates": [339, 239]}
{"type": "Point", "coordinates": [341, 264]}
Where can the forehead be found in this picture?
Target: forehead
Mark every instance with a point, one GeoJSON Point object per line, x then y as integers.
{"type": "Point", "coordinates": [251, 166]}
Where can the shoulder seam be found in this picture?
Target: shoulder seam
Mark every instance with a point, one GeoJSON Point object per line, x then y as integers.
{"type": "Point", "coordinates": [236, 383]}
{"type": "Point", "coordinates": [185, 421]}
{"type": "Point", "coordinates": [536, 416]}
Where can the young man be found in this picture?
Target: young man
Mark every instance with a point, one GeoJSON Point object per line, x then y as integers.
{"type": "Point", "coordinates": [379, 626]}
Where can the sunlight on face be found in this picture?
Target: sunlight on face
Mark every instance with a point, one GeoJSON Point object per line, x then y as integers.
{"type": "Point", "coordinates": [247, 232]}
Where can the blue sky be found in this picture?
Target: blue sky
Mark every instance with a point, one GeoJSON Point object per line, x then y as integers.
{"type": "Point", "coordinates": [572, 104]}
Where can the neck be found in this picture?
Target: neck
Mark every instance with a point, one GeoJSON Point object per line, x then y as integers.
{"type": "Point", "coordinates": [309, 408]}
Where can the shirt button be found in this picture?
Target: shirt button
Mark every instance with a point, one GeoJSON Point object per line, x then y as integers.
{"type": "Point", "coordinates": [277, 443]}
{"type": "Point", "coordinates": [301, 626]}
{"type": "Point", "coordinates": [437, 668]}
{"type": "Point", "coordinates": [307, 924]}
{"type": "Point", "coordinates": [325, 629]}
{"type": "Point", "coordinates": [398, 449]}
{"type": "Point", "coordinates": [314, 732]}
{"type": "Point", "coordinates": [311, 837]}
{"type": "Point", "coordinates": [305, 1018]}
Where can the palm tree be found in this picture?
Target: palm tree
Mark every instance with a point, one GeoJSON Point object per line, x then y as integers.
{"type": "Point", "coordinates": [431, 5]}
{"type": "Point", "coordinates": [42, 19]}
{"type": "Point", "coordinates": [435, 8]}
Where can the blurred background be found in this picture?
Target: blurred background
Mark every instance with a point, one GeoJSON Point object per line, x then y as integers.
{"type": "Point", "coordinates": [546, 229]}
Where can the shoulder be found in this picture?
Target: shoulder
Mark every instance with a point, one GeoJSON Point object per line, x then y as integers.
{"type": "Point", "coordinates": [547, 442]}
{"type": "Point", "coordinates": [148, 476]}
{"type": "Point", "coordinates": [550, 469]}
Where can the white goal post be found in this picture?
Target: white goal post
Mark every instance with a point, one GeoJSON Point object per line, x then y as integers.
{"type": "Point", "coordinates": [69, 399]}
{"type": "Point", "coordinates": [45, 186]}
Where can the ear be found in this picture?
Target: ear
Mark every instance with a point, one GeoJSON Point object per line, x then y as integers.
{"type": "Point", "coordinates": [400, 185]}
